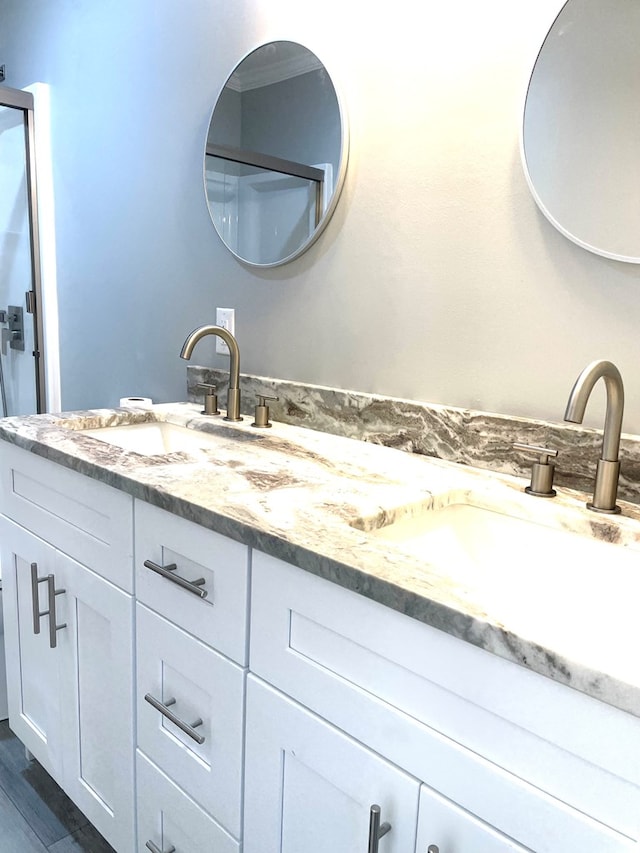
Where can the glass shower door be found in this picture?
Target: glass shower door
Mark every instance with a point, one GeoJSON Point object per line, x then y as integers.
{"type": "Point", "coordinates": [21, 367]}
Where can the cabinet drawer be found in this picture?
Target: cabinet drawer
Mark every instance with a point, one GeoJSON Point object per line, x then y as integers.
{"type": "Point", "coordinates": [86, 519]}
{"type": "Point", "coordinates": [219, 619]}
{"type": "Point", "coordinates": [169, 819]}
{"type": "Point", "coordinates": [515, 825]}
{"type": "Point", "coordinates": [172, 665]}
{"type": "Point", "coordinates": [411, 692]}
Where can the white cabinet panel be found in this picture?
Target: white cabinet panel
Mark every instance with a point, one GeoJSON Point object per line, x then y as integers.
{"type": "Point", "coordinates": [219, 619]}
{"type": "Point", "coordinates": [168, 818]}
{"type": "Point", "coordinates": [445, 827]}
{"type": "Point", "coordinates": [384, 679]}
{"type": "Point", "coordinates": [72, 704]}
{"type": "Point", "coordinates": [84, 518]}
{"type": "Point", "coordinates": [96, 654]}
{"type": "Point", "coordinates": [32, 666]}
{"type": "Point", "coordinates": [173, 665]}
{"type": "Point", "coordinates": [309, 788]}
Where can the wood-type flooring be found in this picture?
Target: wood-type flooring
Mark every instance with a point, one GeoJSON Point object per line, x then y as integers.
{"type": "Point", "coordinates": [36, 816]}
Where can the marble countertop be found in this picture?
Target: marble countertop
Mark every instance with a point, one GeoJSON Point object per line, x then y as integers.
{"type": "Point", "coordinates": [562, 600]}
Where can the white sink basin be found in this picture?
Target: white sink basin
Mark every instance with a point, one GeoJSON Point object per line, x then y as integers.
{"type": "Point", "coordinates": [555, 585]}
{"type": "Point", "coordinates": [153, 438]}
{"type": "Point", "coordinates": [467, 540]}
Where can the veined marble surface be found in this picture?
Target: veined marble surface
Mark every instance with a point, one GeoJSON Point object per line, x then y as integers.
{"type": "Point", "coordinates": [566, 609]}
{"type": "Point", "coordinates": [465, 436]}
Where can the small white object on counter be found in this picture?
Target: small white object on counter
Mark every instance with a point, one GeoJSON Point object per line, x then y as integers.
{"type": "Point", "coordinates": [136, 402]}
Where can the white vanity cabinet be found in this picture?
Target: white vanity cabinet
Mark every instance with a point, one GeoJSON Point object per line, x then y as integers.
{"type": "Point", "coordinates": [507, 760]}
{"type": "Point", "coordinates": [267, 710]}
{"type": "Point", "coordinates": [191, 673]}
{"type": "Point", "coordinates": [69, 633]}
{"type": "Point", "coordinates": [69, 541]}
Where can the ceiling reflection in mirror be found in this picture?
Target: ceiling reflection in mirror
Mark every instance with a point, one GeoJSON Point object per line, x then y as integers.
{"type": "Point", "coordinates": [581, 133]}
{"type": "Point", "coordinates": [276, 154]}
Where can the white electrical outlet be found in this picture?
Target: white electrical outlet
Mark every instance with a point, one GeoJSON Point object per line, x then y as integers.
{"type": "Point", "coordinates": [225, 317]}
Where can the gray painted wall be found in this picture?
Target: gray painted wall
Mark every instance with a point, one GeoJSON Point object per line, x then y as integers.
{"type": "Point", "coordinates": [437, 278]}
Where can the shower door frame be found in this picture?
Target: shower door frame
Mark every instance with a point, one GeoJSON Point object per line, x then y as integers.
{"type": "Point", "coordinates": [17, 99]}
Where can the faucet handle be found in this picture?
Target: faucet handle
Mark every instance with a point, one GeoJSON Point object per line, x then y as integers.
{"type": "Point", "coordinates": [262, 411]}
{"type": "Point", "coordinates": [210, 399]}
{"type": "Point", "coordinates": [542, 471]}
{"type": "Point", "coordinates": [545, 452]}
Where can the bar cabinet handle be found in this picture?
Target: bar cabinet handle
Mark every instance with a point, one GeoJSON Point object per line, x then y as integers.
{"type": "Point", "coordinates": [155, 849]}
{"type": "Point", "coordinates": [376, 829]}
{"type": "Point", "coordinates": [167, 572]}
{"type": "Point", "coordinates": [164, 710]}
{"type": "Point", "coordinates": [53, 626]}
{"type": "Point", "coordinates": [35, 598]}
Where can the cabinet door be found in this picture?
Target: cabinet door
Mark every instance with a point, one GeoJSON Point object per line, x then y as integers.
{"type": "Point", "coordinates": [96, 662]}
{"type": "Point", "coordinates": [309, 787]}
{"type": "Point", "coordinates": [32, 666]}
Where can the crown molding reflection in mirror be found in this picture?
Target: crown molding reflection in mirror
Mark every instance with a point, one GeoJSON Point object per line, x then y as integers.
{"type": "Point", "coordinates": [276, 154]}
{"type": "Point", "coordinates": [580, 138]}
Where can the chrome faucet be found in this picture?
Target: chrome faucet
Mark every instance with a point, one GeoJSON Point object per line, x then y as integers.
{"type": "Point", "coordinates": [233, 392]}
{"type": "Point", "coordinates": [608, 470]}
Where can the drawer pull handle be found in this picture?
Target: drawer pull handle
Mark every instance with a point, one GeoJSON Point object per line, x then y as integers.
{"type": "Point", "coordinates": [433, 848]}
{"type": "Point", "coordinates": [185, 727]}
{"type": "Point", "coordinates": [155, 849]}
{"type": "Point", "coordinates": [53, 626]}
{"type": "Point", "coordinates": [376, 829]}
{"type": "Point", "coordinates": [167, 572]}
{"type": "Point", "coordinates": [35, 599]}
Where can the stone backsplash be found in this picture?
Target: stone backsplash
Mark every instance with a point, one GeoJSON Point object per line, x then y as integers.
{"type": "Point", "coordinates": [465, 436]}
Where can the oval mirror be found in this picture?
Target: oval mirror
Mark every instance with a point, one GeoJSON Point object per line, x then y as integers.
{"type": "Point", "coordinates": [581, 133]}
{"type": "Point", "coordinates": [276, 154]}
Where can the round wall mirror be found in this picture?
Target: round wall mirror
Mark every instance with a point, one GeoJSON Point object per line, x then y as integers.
{"type": "Point", "coordinates": [581, 133]}
{"type": "Point", "coordinates": [276, 154]}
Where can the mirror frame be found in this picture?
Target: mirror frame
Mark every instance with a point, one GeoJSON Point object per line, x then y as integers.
{"type": "Point", "coordinates": [339, 178]}
{"type": "Point", "coordinates": [584, 244]}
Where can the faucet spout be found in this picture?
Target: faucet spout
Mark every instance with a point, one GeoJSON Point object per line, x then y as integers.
{"type": "Point", "coordinates": [233, 391]}
{"type": "Point", "coordinates": [608, 470]}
